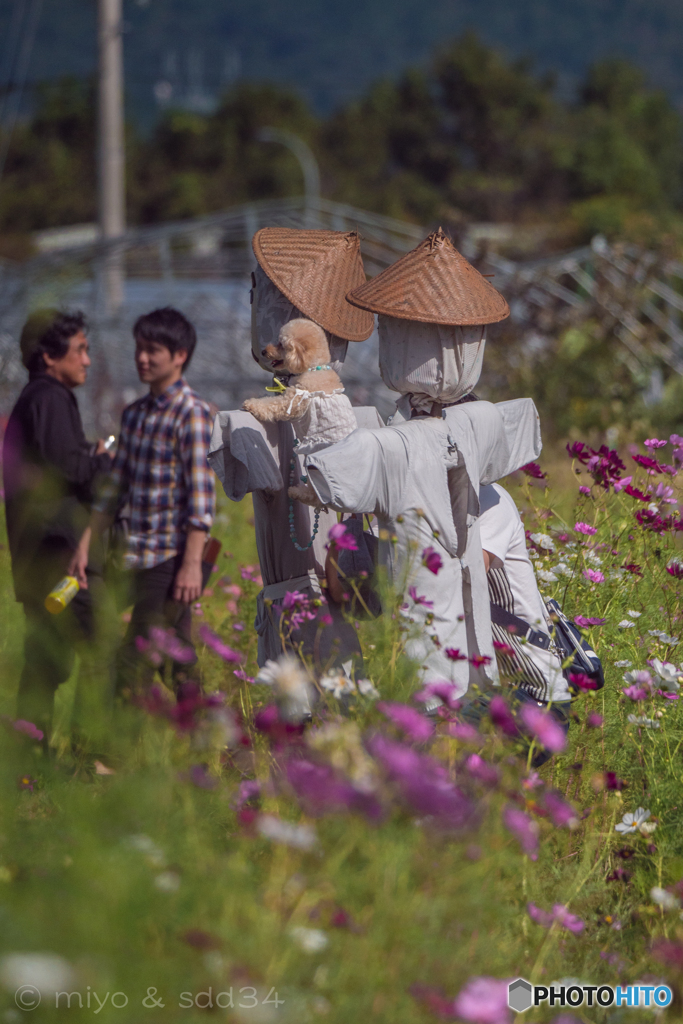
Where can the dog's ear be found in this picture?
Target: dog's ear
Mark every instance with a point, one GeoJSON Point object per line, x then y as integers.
{"type": "Point", "coordinates": [296, 347]}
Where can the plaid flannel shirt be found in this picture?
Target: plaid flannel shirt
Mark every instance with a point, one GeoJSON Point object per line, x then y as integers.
{"type": "Point", "coordinates": [160, 469]}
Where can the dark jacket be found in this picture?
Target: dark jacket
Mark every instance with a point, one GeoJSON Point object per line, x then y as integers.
{"type": "Point", "coordinates": [48, 474]}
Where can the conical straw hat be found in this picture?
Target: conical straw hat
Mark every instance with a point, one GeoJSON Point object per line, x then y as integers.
{"type": "Point", "coordinates": [433, 284]}
{"type": "Point", "coordinates": [315, 270]}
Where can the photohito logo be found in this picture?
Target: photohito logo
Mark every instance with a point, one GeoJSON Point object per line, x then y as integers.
{"type": "Point", "coordinates": [522, 995]}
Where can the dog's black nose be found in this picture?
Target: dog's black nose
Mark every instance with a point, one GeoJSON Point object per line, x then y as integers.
{"type": "Point", "coordinates": [264, 352]}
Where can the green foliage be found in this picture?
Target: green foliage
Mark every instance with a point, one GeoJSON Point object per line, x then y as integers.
{"type": "Point", "coordinates": [471, 135]}
{"type": "Point", "coordinates": [152, 886]}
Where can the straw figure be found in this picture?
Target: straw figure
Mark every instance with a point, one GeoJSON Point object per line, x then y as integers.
{"type": "Point", "coordinates": [314, 400]}
{"type": "Point", "coordinates": [300, 275]}
{"type": "Point", "coordinates": [421, 475]}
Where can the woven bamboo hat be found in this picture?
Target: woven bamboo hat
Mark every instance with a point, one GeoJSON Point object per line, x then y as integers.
{"type": "Point", "coordinates": [315, 270]}
{"type": "Point", "coordinates": [433, 284]}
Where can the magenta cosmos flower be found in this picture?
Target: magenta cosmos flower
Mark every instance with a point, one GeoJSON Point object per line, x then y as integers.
{"type": "Point", "coordinates": [341, 538]}
{"type": "Point", "coordinates": [585, 528]}
{"type": "Point", "coordinates": [216, 644]}
{"type": "Point", "coordinates": [431, 560]}
{"type": "Point", "coordinates": [523, 828]}
{"type": "Point", "coordinates": [483, 1000]}
{"type": "Point", "coordinates": [544, 728]}
{"type": "Point", "coordinates": [409, 721]}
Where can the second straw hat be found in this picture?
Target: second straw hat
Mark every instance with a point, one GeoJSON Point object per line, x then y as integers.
{"type": "Point", "coordinates": [315, 270]}
{"type": "Point", "coordinates": [433, 284]}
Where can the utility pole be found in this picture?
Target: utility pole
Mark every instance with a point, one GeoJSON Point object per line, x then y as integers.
{"type": "Point", "coordinates": [111, 154]}
{"type": "Point", "coordinates": [308, 164]}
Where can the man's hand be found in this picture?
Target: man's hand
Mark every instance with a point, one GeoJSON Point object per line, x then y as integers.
{"type": "Point", "coordinates": [79, 560]}
{"type": "Point", "coordinates": [188, 581]}
{"type": "Point", "coordinates": [102, 450]}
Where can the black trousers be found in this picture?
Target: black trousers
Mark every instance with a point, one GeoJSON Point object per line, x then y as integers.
{"type": "Point", "coordinates": [50, 646]}
{"type": "Point", "coordinates": [153, 605]}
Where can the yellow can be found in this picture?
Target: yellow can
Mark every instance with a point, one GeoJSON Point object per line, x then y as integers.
{"type": "Point", "coordinates": [61, 595]}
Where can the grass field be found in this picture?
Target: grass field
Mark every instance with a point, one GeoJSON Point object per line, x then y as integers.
{"type": "Point", "coordinates": [233, 863]}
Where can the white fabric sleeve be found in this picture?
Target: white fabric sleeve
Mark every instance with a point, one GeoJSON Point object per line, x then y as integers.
{"type": "Point", "coordinates": [348, 475]}
{"type": "Point", "coordinates": [498, 521]}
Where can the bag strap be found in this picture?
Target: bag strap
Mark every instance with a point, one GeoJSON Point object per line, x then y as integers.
{"type": "Point", "coordinates": [520, 627]}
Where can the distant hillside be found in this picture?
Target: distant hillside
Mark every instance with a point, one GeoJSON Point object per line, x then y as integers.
{"type": "Point", "coordinates": [192, 50]}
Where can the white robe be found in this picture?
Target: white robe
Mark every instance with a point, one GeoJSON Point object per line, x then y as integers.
{"type": "Point", "coordinates": [421, 478]}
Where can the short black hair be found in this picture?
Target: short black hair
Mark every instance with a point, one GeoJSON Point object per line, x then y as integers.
{"type": "Point", "coordinates": [48, 331]}
{"type": "Point", "coordinates": [168, 327]}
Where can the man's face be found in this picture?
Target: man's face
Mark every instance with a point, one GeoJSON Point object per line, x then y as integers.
{"type": "Point", "coordinates": [155, 363]}
{"type": "Point", "coordinates": [72, 368]}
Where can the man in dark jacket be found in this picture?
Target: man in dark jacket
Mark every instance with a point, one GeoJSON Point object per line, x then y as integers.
{"type": "Point", "coordinates": [49, 469]}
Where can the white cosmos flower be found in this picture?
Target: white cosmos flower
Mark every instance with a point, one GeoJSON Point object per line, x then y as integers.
{"type": "Point", "coordinates": [292, 686]}
{"type": "Point", "coordinates": [631, 822]}
{"type": "Point", "coordinates": [47, 972]}
{"type": "Point", "coordinates": [563, 569]}
{"type": "Point", "coordinates": [664, 899]}
{"type": "Point", "coordinates": [542, 540]}
{"type": "Point", "coordinates": [167, 881]}
{"type": "Point", "coordinates": [649, 723]}
{"type": "Point", "coordinates": [546, 576]}
{"type": "Point", "coordinates": [663, 637]}
{"type": "Point", "coordinates": [590, 556]}
{"type": "Point", "coordinates": [626, 624]}
{"type": "Point", "coordinates": [154, 855]}
{"type": "Point", "coordinates": [338, 684]}
{"type": "Point", "coordinates": [311, 940]}
{"type": "Point", "coordinates": [623, 664]}
{"type": "Point", "coordinates": [366, 689]}
{"type": "Point", "coordinates": [668, 676]}
{"type": "Point", "coordinates": [301, 837]}
{"type": "Point", "coordinates": [634, 614]}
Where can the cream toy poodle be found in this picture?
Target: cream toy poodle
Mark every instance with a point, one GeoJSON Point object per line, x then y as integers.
{"type": "Point", "coordinates": [314, 401]}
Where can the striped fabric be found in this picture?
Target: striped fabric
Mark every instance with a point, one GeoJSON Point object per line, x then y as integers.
{"type": "Point", "coordinates": [161, 471]}
{"type": "Point", "coordinates": [518, 668]}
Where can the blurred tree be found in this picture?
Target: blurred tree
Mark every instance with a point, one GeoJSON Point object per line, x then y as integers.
{"type": "Point", "coordinates": [50, 173]}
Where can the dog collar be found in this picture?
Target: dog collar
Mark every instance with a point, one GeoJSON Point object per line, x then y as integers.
{"type": "Point", "coordinates": [325, 366]}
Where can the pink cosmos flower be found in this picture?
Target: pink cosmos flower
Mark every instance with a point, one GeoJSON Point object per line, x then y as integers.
{"type": "Point", "coordinates": [566, 920]}
{"type": "Point", "coordinates": [504, 649]}
{"type": "Point", "coordinates": [216, 644]}
{"type": "Point", "coordinates": [595, 721]}
{"type": "Point", "coordinates": [479, 769]}
{"type": "Point", "coordinates": [454, 654]}
{"type": "Point", "coordinates": [636, 692]}
{"type": "Point", "coordinates": [533, 470]}
{"type": "Point", "coordinates": [418, 598]}
{"type": "Point", "coordinates": [241, 674]}
{"type": "Point", "coordinates": [415, 726]}
{"type": "Point", "coordinates": [431, 560]}
{"type": "Point", "coordinates": [675, 570]}
{"type": "Point", "coordinates": [233, 589]}
{"type": "Point", "coordinates": [584, 622]}
{"type": "Point", "coordinates": [654, 442]}
{"type": "Point", "coordinates": [166, 641]}
{"type": "Point", "coordinates": [532, 781]}
{"type": "Point", "coordinates": [544, 728]}
{"type": "Point", "coordinates": [561, 813]}
{"type": "Point", "coordinates": [624, 482]}
{"type": "Point", "coordinates": [559, 915]}
{"type": "Point", "coordinates": [585, 528]}
{"type": "Point", "coordinates": [28, 729]}
{"type": "Point", "coordinates": [664, 493]}
{"type": "Point", "coordinates": [478, 660]}
{"type": "Point", "coordinates": [581, 681]}
{"type": "Point", "coordinates": [584, 490]}
{"type": "Point", "coordinates": [542, 917]}
{"type": "Point", "coordinates": [501, 716]}
{"type": "Point", "coordinates": [463, 731]}
{"type": "Point", "coordinates": [523, 828]}
{"type": "Point", "coordinates": [483, 1000]}
{"type": "Point", "coordinates": [594, 575]}
{"type": "Point", "coordinates": [340, 537]}
{"type": "Point", "coordinates": [445, 691]}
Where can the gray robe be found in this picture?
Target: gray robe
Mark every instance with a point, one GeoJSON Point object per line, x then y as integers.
{"type": "Point", "coordinates": [421, 479]}
{"type": "Point", "coordinates": [252, 457]}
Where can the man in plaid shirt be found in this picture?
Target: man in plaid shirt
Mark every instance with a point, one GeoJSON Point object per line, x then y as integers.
{"type": "Point", "coordinates": [160, 471]}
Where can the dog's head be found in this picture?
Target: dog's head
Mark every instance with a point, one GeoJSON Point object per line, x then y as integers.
{"type": "Point", "coordinates": [301, 344]}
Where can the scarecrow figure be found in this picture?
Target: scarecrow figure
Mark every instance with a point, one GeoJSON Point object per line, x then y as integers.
{"type": "Point", "coordinates": [421, 475]}
{"type": "Point", "coordinates": [300, 274]}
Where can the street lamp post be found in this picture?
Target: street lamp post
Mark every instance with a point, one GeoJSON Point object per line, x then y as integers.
{"type": "Point", "coordinates": [307, 162]}
{"type": "Point", "coordinates": [111, 153]}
